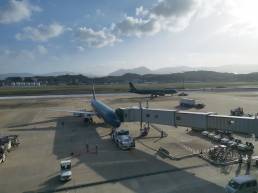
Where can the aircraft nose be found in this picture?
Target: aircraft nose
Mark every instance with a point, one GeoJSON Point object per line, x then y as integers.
{"type": "Point", "coordinates": [117, 123]}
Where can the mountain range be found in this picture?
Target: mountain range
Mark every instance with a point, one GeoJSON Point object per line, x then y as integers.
{"type": "Point", "coordinates": [237, 69]}
{"type": "Point", "coordinates": [189, 76]}
{"type": "Point", "coordinates": [6, 75]}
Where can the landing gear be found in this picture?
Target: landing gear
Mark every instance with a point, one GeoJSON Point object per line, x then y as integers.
{"type": "Point", "coordinates": [153, 96]}
{"type": "Point", "coordinates": [88, 121]}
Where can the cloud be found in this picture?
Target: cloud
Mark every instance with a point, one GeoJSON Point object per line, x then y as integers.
{"type": "Point", "coordinates": [165, 15]}
{"type": "Point", "coordinates": [242, 18]}
{"type": "Point", "coordinates": [22, 56]}
{"type": "Point", "coordinates": [99, 12]}
{"type": "Point", "coordinates": [206, 8]}
{"type": "Point", "coordinates": [42, 49]}
{"type": "Point", "coordinates": [80, 49]}
{"type": "Point", "coordinates": [94, 38]}
{"type": "Point", "coordinates": [141, 12]}
{"type": "Point", "coordinates": [16, 11]}
{"type": "Point", "coordinates": [173, 8]}
{"type": "Point", "coordinates": [173, 15]}
{"type": "Point", "coordinates": [239, 29]}
{"type": "Point", "coordinates": [17, 55]}
{"type": "Point", "coordinates": [41, 33]}
{"type": "Point", "coordinates": [132, 26]}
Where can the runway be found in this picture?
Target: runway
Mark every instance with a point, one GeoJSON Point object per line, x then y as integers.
{"type": "Point", "coordinates": [244, 89]}
{"type": "Point", "coordinates": [60, 96]}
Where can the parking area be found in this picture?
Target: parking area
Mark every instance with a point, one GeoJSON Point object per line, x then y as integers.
{"type": "Point", "coordinates": [47, 137]}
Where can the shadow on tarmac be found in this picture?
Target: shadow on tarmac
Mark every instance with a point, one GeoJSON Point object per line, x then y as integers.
{"type": "Point", "coordinates": [179, 107]}
{"type": "Point", "coordinates": [35, 123]}
{"type": "Point", "coordinates": [135, 169]}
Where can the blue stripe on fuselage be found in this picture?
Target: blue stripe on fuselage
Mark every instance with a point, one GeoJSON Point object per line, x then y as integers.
{"type": "Point", "coordinates": [106, 113]}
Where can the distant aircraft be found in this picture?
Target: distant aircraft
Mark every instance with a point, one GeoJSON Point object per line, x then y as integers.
{"type": "Point", "coordinates": [100, 109]}
{"type": "Point", "coordinates": [152, 92]}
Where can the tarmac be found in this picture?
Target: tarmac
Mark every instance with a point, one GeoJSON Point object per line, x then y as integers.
{"type": "Point", "coordinates": [34, 165]}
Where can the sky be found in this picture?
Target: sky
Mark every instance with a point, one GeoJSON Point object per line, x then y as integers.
{"type": "Point", "coordinates": [98, 37]}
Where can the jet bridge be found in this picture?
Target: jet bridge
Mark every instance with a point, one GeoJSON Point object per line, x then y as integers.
{"type": "Point", "coordinates": [195, 120]}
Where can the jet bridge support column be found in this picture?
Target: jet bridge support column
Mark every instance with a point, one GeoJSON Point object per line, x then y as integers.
{"type": "Point", "coordinates": [140, 107]}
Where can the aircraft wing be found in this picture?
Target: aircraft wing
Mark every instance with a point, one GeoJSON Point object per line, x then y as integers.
{"type": "Point", "coordinates": [76, 112]}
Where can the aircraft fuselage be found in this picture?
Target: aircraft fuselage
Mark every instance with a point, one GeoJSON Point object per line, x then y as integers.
{"type": "Point", "coordinates": [154, 91]}
{"type": "Point", "coordinates": [106, 113]}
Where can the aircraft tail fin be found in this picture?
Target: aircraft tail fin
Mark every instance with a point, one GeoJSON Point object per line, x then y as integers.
{"type": "Point", "coordinates": [132, 87]}
{"type": "Point", "coordinates": [93, 91]}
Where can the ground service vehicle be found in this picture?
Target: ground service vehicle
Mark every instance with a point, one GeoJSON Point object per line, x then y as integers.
{"type": "Point", "coordinates": [123, 139]}
{"type": "Point", "coordinates": [242, 184]}
{"type": "Point", "coordinates": [65, 170]}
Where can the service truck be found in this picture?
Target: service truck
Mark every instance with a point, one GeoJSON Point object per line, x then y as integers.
{"type": "Point", "coordinates": [65, 170]}
{"type": "Point", "coordinates": [185, 102]}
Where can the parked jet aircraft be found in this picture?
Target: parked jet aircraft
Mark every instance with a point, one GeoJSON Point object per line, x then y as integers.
{"type": "Point", "coordinates": [152, 92]}
{"type": "Point", "coordinates": [100, 109]}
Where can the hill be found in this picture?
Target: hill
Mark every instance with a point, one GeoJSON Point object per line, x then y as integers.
{"type": "Point", "coordinates": [237, 69]}
{"type": "Point", "coordinates": [140, 70]}
{"type": "Point", "coordinates": [191, 76]}
{"type": "Point", "coordinates": [4, 76]}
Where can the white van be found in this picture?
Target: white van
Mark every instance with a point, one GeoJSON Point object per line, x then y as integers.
{"type": "Point", "coordinates": [65, 170]}
{"type": "Point", "coordinates": [242, 184]}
